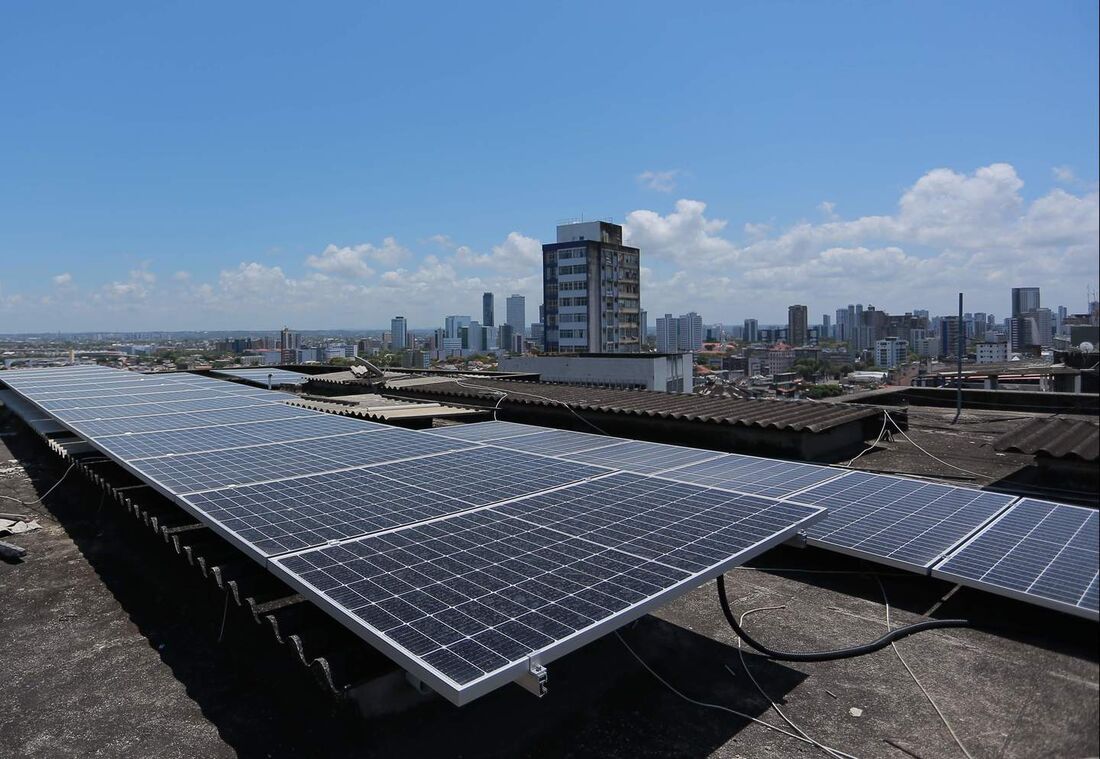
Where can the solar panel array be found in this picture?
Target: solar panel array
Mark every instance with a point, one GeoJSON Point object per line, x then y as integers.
{"type": "Point", "coordinates": [470, 553]}
{"type": "Point", "coordinates": [1037, 551]}
{"type": "Point", "coordinates": [729, 471]}
{"type": "Point", "coordinates": [890, 520]}
{"type": "Point", "coordinates": [479, 586]}
{"type": "Point", "coordinates": [261, 376]}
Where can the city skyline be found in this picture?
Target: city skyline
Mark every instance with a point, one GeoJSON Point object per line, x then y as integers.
{"type": "Point", "coordinates": [317, 190]}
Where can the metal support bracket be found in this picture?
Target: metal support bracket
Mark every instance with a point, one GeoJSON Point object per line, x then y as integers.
{"type": "Point", "coordinates": [534, 679]}
{"type": "Point", "coordinates": [418, 685]}
{"type": "Point", "coordinates": [798, 540]}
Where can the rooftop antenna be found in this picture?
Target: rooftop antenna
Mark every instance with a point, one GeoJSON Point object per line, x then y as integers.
{"type": "Point", "coordinates": [959, 376]}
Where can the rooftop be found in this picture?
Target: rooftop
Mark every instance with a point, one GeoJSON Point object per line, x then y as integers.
{"type": "Point", "coordinates": [169, 676]}
{"type": "Point", "coordinates": [199, 674]}
{"type": "Point", "coordinates": [765, 413]}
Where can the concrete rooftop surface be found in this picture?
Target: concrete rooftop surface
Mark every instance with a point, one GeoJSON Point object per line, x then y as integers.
{"type": "Point", "coordinates": [111, 647]}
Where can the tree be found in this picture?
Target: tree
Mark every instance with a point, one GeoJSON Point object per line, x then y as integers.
{"type": "Point", "coordinates": [822, 391]}
{"type": "Point", "coordinates": [808, 368]}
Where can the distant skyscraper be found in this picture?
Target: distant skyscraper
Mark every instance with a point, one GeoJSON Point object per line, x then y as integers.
{"type": "Point", "coordinates": [680, 334]}
{"type": "Point", "coordinates": [591, 290]}
{"type": "Point", "coordinates": [667, 333]}
{"type": "Point", "coordinates": [1024, 299]}
{"type": "Point", "coordinates": [798, 327]}
{"type": "Point", "coordinates": [289, 340]}
{"type": "Point", "coordinates": [826, 328]}
{"type": "Point", "coordinates": [399, 329]}
{"type": "Point", "coordinates": [949, 336]}
{"type": "Point", "coordinates": [453, 325]}
{"type": "Point", "coordinates": [643, 326]}
{"type": "Point", "coordinates": [516, 313]}
{"type": "Point", "coordinates": [751, 331]}
{"type": "Point", "coordinates": [487, 310]}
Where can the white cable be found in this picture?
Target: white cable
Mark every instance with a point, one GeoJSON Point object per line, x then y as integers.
{"type": "Point", "coordinates": [691, 700]}
{"type": "Point", "coordinates": [881, 432]}
{"type": "Point", "coordinates": [41, 497]}
{"type": "Point", "coordinates": [506, 393]}
{"type": "Point", "coordinates": [744, 665]}
{"type": "Point", "coordinates": [926, 453]}
{"type": "Point", "coordinates": [927, 695]}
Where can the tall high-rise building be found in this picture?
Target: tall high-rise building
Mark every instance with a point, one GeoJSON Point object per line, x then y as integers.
{"type": "Point", "coordinates": [289, 340]}
{"type": "Point", "coordinates": [798, 325]}
{"type": "Point", "coordinates": [949, 336]}
{"type": "Point", "coordinates": [516, 314]}
{"type": "Point", "coordinates": [680, 334]}
{"type": "Point", "coordinates": [487, 310]}
{"type": "Point", "coordinates": [1031, 328]}
{"type": "Point", "coordinates": [453, 325]}
{"type": "Point", "coordinates": [591, 290]}
{"type": "Point", "coordinates": [399, 331]}
{"type": "Point", "coordinates": [1024, 299]}
{"type": "Point", "coordinates": [826, 328]}
{"type": "Point", "coordinates": [643, 326]}
{"type": "Point", "coordinates": [750, 333]}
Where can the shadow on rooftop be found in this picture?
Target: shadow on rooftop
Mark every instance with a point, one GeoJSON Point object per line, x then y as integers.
{"type": "Point", "coordinates": [927, 597]}
{"type": "Point", "coordinates": [601, 700]}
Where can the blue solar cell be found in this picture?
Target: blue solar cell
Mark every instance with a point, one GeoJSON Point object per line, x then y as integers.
{"type": "Point", "coordinates": [749, 474]}
{"type": "Point", "coordinates": [556, 442]}
{"type": "Point", "coordinates": [903, 523]}
{"type": "Point", "coordinates": [1038, 551]}
{"type": "Point", "coordinates": [643, 458]}
{"type": "Point", "coordinates": [485, 431]}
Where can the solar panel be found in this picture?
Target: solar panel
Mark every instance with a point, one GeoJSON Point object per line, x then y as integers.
{"type": "Point", "coordinates": [1037, 551]}
{"type": "Point", "coordinates": [195, 472]}
{"type": "Point", "coordinates": [292, 514]}
{"type": "Point", "coordinates": [903, 523]}
{"type": "Point", "coordinates": [124, 411]}
{"type": "Point", "coordinates": [153, 444]}
{"type": "Point", "coordinates": [681, 525]}
{"type": "Point", "coordinates": [483, 476]}
{"type": "Point", "coordinates": [483, 431]}
{"type": "Point", "coordinates": [749, 474]}
{"type": "Point", "coordinates": [124, 398]}
{"type": "Point", "coordinates": [175, 421]}
{"type": "Point", "coordinates": [643, 458]}
{"type": "Point", "coordinates": [556, 442]}
{"type": "Point", "coordinates": [469, 602]}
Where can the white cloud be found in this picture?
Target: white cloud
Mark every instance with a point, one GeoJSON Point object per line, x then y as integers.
{"type": "Point", "coordinates": [355, 260]}
{"type": "Point", "coordinates": [1064, 174]}
{"type": "Point", "coordinates": [517, 253]}
{"type": "Point", "coordinates": [950, 231]}
{"type": "Point", "coordinates": [661, 181]}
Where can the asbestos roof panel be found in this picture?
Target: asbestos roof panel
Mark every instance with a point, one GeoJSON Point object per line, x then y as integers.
{"type": "Point", "coordinates": [766, 413]}
{"type": "Point", "coordinates": [1058, 437]}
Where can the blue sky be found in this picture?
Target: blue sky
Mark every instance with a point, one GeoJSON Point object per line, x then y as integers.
{"type": "Point", "coordinates": [236, 165]}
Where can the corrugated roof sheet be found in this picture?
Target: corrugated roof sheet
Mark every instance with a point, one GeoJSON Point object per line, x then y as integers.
{"type": "Point", "coordinates": [386, 409]}
{"type": "Point", "coordinates": [1059, 437]}
{"type": "Point", "coordinates": [807, 416]}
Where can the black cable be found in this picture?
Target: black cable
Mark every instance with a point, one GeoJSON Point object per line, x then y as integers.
{"type": "Point", "coordinates": [841, 653]}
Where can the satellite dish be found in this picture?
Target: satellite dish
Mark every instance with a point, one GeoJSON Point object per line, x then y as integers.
{"type": "Point", "coordinates": [1087, 347]}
